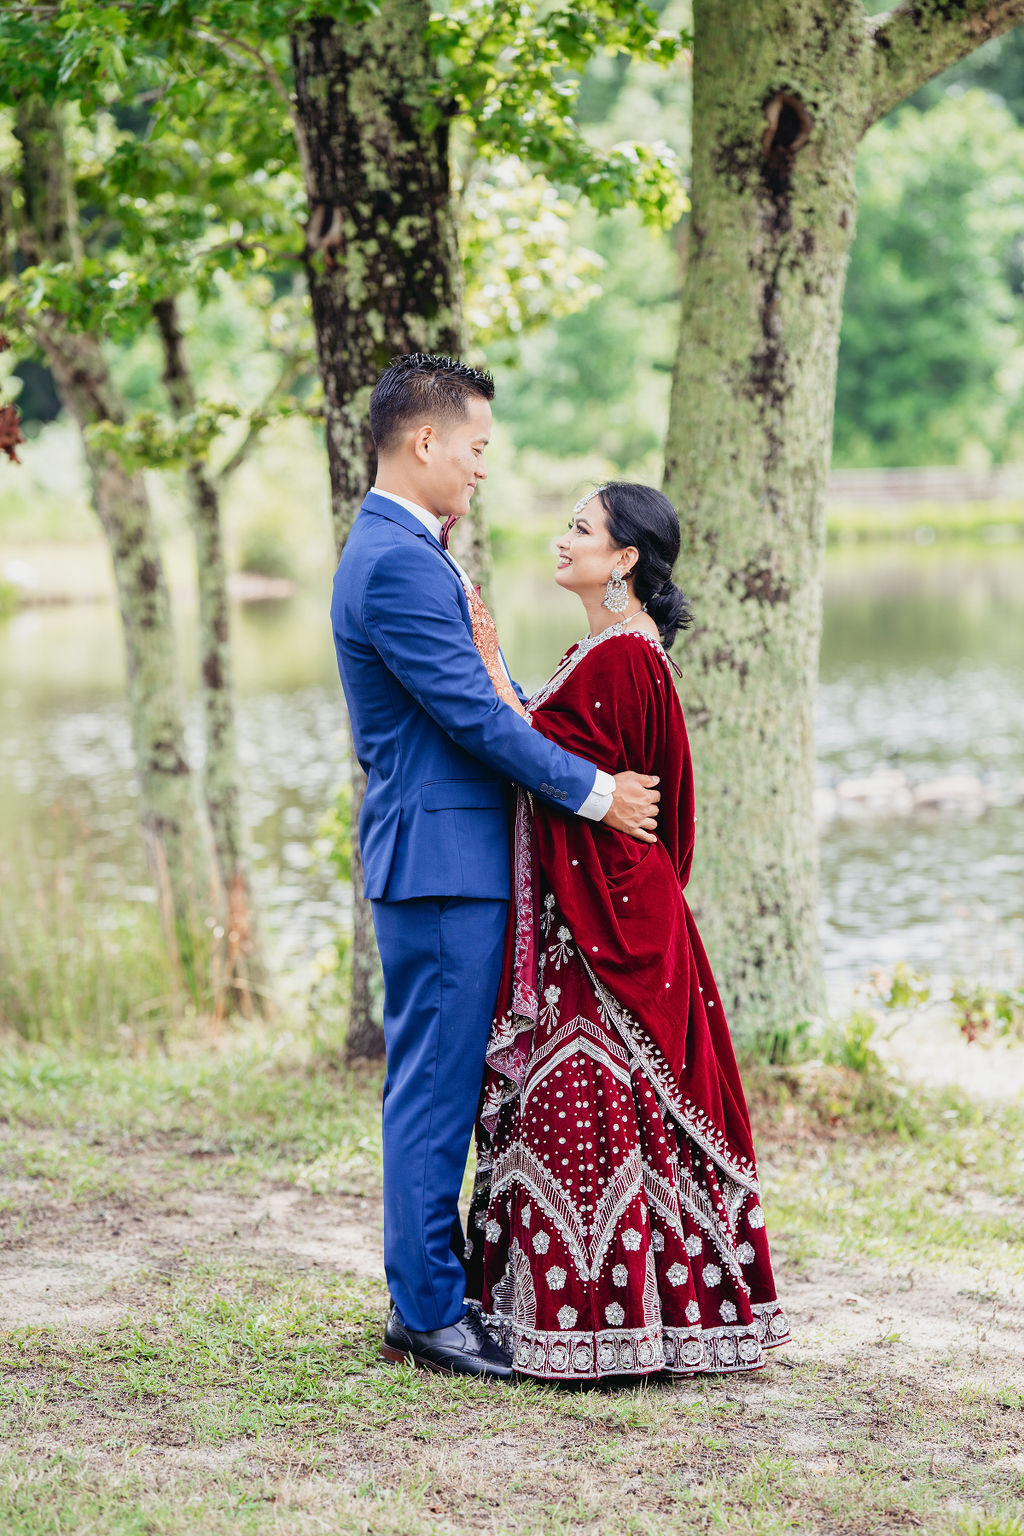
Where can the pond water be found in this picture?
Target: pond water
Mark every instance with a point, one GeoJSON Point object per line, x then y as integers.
{"type": "Point", "coordinates": [922, 675]}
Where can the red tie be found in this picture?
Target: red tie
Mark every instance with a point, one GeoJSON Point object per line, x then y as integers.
{"type": "Point", "coordinates": [446, 531]}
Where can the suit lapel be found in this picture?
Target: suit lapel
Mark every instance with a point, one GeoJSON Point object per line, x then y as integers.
{"type": "Point", "coordinates": [383, 506]}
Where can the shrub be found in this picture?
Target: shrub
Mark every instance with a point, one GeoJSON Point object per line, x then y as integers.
{"type": "Point", "coordinates": [264, 552]}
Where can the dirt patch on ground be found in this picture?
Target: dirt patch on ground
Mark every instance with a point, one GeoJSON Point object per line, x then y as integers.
{"type": "Point", "coordinates": [63, 1270]}
{"type": "Point", "coordinates": [931, 1318]}
{"type": "Point", "coordinates": [74, 1263]}
{"type": "Point", "coordinates": [930, 1049]}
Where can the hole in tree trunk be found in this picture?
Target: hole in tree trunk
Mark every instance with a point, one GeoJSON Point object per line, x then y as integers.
{"type": "Point", "coordinates": [789, 124]}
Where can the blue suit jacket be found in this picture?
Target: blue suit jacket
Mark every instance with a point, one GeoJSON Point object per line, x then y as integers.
{"type": "Point", "coordinates": [437, 744]}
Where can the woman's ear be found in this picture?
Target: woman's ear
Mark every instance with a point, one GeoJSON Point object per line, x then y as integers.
{"type": "Point", "coordinates": [629, 558]}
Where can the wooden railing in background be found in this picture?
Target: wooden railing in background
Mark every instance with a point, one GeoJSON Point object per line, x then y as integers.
{"type": "Point", "coordinates": [895, 487]}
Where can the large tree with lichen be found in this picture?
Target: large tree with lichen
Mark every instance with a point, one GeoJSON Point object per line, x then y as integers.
{"type": "Point", "coordinates": [375, 96]}
{"type": "Point", "coordinates": [783, 93]}
{"type": "Point", "coordinates": [382, 267]}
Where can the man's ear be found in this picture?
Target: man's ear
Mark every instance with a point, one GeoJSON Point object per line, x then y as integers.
{"type": "Point", "coordinates": [424, 442]}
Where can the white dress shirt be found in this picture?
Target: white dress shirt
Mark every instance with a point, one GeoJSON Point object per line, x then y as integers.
{"type": "Point", "coordinates": [598, 803]}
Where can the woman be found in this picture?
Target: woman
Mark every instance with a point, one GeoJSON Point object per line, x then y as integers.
{"type": "Point", "coordinates": [616, 1225]}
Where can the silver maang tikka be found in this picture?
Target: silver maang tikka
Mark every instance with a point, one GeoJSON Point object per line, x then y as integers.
{"type": "Point", "coordinates": [616, 593]}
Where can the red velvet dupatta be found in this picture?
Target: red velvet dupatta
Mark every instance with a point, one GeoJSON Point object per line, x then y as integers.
{"type": "Point", "coordinates": [614, 701]}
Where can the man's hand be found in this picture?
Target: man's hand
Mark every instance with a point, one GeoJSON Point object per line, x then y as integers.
{"type": "Point", "coordinates": [634, 807]}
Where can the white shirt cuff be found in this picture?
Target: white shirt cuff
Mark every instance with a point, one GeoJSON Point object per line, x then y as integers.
{"type": "Point", "coordinates": [599, 802]}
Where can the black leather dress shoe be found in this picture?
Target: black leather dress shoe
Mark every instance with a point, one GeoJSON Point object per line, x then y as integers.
{"type": "Point", "coordinates": [464, 1348]}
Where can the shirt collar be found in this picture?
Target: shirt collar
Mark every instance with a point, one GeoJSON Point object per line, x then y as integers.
{"type": "Point", "coordinates": [431, 523]}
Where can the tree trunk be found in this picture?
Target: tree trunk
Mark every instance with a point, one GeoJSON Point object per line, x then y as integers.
{"type": "Point", "coordinates": [176, 842]}
{"type": "Point", "coordinates": [383, 276]}
{"type": "Point", "coordinates": [782, 94]}
{"type": "Point", "coordinates": [239, 973]}
{"type": "Point", "coordinates": [471, 545]}
{"type": "Point", "coordinates": [772, 200]}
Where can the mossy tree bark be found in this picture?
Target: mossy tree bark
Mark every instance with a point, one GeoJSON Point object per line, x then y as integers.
{"type": "Point", "coordinates": [783, 92]}
{"type": "Point", "coordinates": [176, 840]}
{"type": "Point", "coordinates": [383, 276]}
{"type": "Point", "coordinates": [239, 973]}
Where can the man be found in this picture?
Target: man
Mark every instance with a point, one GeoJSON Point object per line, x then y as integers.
{"type": "Point", "coordinates": [438, 745]}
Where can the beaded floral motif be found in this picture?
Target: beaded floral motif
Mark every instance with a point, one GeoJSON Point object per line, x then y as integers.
{"type": "Point", "coordinates": [549, 1012]}
{"type": "Point", "coordinates": [561, 950]}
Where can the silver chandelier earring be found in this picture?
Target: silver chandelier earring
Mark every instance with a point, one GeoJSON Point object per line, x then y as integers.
{"type": "Point", "coordinates": [616, 593]}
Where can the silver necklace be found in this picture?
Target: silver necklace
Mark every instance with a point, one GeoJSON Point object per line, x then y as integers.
{"type": "Point", "coordinates": [582, 648]}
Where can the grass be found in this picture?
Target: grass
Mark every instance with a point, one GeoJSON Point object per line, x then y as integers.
{"type": "Point", "coordinates": [74, 968]}
{"type": "Point", "coordinates": [924, 521]}
{"type": "Point", "coordinates": [270, 1108]}
{"type": "Point", "coordinates": [230, 1381]}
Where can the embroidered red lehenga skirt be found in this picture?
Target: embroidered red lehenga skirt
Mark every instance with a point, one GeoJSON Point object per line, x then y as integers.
{"type": "Point", "coordinates": [616, 1226]}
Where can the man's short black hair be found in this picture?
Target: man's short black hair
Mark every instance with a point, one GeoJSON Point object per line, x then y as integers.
{"type": "Point", "coordinates": [425, 388]}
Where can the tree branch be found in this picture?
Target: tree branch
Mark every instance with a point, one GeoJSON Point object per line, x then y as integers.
{"type": "Point", "coordinates": [293, 364]}
{"type": "Point", "coordinates": [245, 53]}
{"type": "Point", "coordinates": [920, 38]}
{"type": "Point", "coordinates": [202, 253]}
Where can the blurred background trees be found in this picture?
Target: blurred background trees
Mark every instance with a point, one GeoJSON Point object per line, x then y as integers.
{"type": "Point", "coordinates": [566, 137]}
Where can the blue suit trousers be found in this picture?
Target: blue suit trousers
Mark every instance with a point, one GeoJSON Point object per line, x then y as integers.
{"type": "Point", "coordinates": [442, 965]}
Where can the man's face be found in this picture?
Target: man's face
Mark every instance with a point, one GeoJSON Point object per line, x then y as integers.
{"type": "Point", "coordinates": [455, 463]}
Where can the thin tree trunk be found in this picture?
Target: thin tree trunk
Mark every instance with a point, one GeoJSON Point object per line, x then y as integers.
{"type": "Point", "coordinates": [176, 841]}
{"type": "Point", "coordinates": [783, 92]}
{"type": "Point", "coordinates": [383, 277]}
{"type": "Point", "coordinates": [240, 976]}
{"type": "Point", "coordinates": [471, 545]}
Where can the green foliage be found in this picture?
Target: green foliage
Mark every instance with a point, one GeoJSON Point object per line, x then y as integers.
{"type": "Point", "coordinates": [185, 157]}
{"type": "Point", "coordinates": [336, 829]}
{"type": "Point", "coordinates": [901, 989]}
{"type": "Point", "coordinates": [152, 441]}
{"type": "Point", "coordinates": [10, 599]}
{"type": "Point", "coordinates": [931, 366]}
{"type": "Point", "coordinates": [598, 380]}
{"type": "Point", "coordinates": [785, 1047]}
{"type": "Point", "coordinates": [523, 264]}
{"type": "Point", "coordinates": [263, 550]}
{"type": "Point", "coordinates": [849, 1044]}
{"type": "Point", "coordinates": [515, 71]}
{"type": "Point", "coordinates": [982, 1010]}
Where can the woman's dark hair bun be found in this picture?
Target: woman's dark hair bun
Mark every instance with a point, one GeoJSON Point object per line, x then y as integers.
{"type": "Point", "coordinates": [641, 516]}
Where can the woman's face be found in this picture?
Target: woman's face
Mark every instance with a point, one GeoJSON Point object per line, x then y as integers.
{"type": "Point", "coordinates": [586, 554]}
